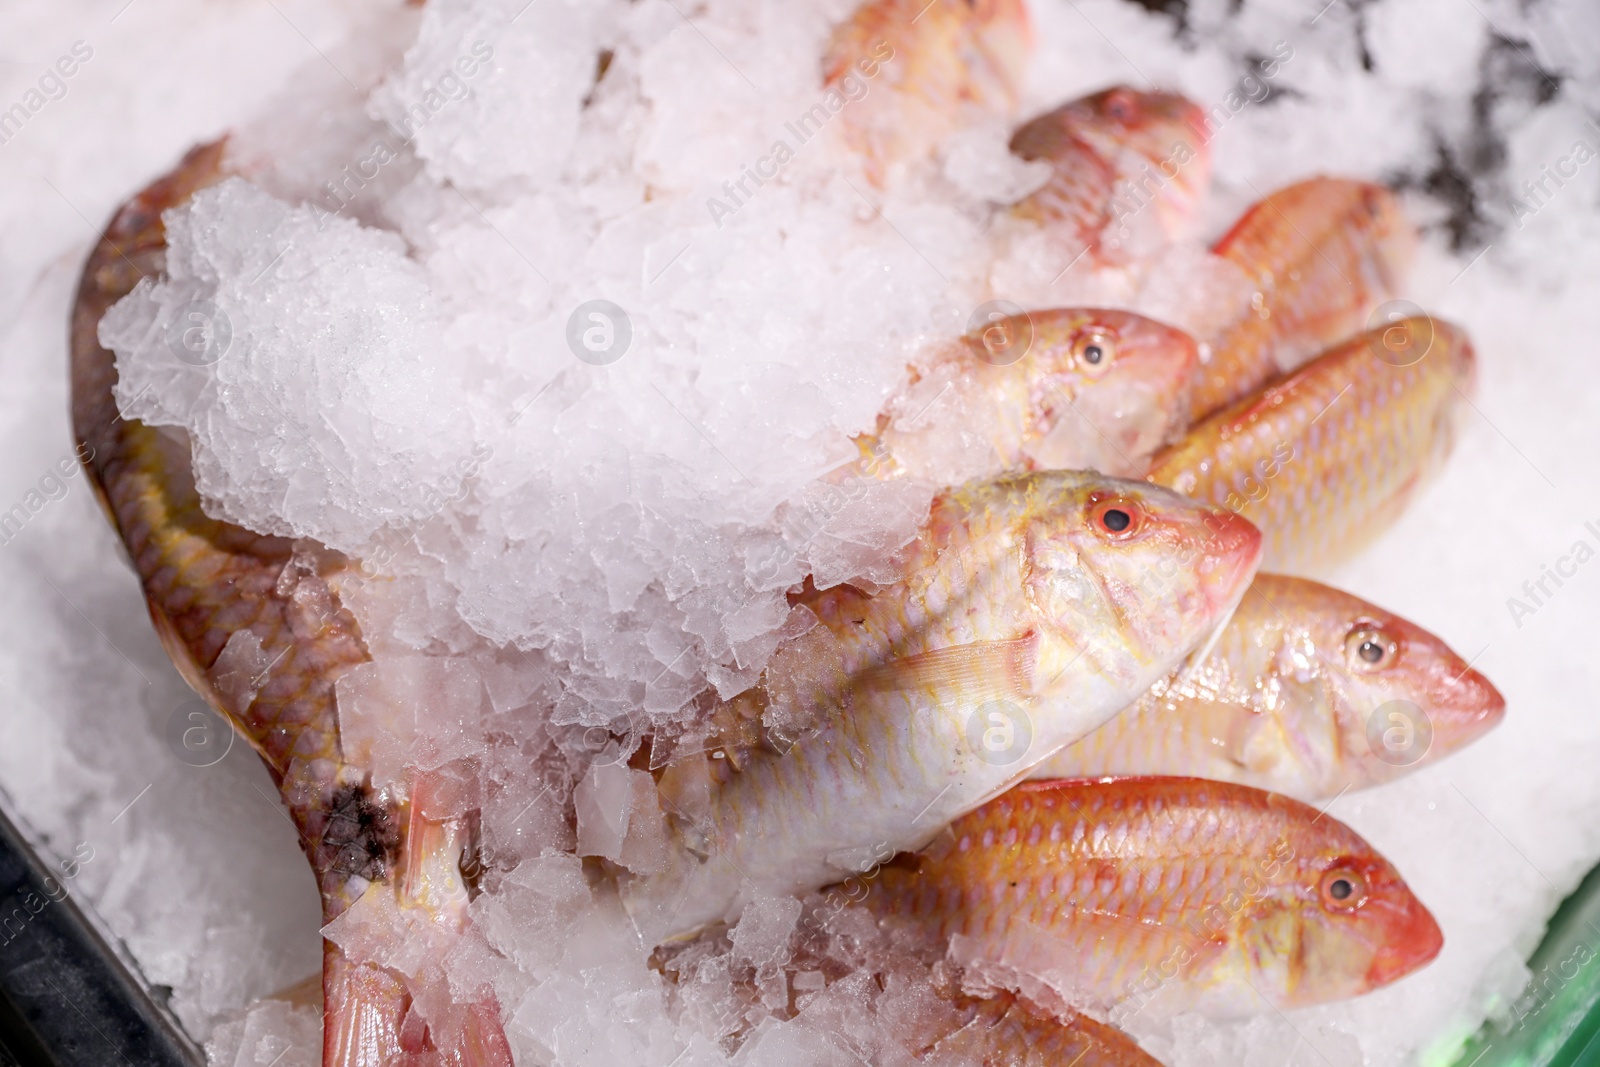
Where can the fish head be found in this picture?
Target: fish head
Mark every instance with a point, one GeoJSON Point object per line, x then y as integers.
{"type": "Point", "coordinates": [1106, 388]}
{"type": "Point", "coordinates": [1404, 696]}
{"type": "Point", "coordinates": [1354, 925]}
{"type": "Point", "coordinates": [1127, 574]}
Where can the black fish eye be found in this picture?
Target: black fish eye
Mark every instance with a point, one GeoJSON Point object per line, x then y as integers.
{"type": "Point", "coordinates": [1340, 889]}
{"type": "Point", "coordinates": [1116, 520]}
{"type": "Point", "coordinates": [1370, 651]}
{"type": "Point", "coordinates": [1093, 354]}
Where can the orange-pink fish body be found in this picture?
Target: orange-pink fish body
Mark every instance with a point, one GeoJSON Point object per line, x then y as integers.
{"type": "Point", "coordinates": [1308, 691]}
{"type": "Point", "coordinates": [1118, 893]}
{"type": "Point", "coordinates": [1062, 389]}
{"type": "Point", "coordinates": [256, 626]}
{"type": "Point", "coordinates": [909, 71]}
{"type": "Point", "coordinates": [1326, 458]}
{"type": "Point", "coordinates": [1035, 607]}
{"type": "Point", "coordinates": [1117, 157]}
{"type": "Point", "coordinates": [1322, 254]}
{"type": "Point", "coordinates": [1005, 1031]}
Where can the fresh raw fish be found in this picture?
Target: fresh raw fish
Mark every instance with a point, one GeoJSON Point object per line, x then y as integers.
{"type": "Point", "coordinates": [1038, 606]}
{"type": "Point", "coordinates": [1309, 692]}
{"type": "Point", "coordinates": [256, 627]}
{"type": "Point", "coordinates": [1206, 895]}
{"type": "Point", "coordinates": [1063, 389]}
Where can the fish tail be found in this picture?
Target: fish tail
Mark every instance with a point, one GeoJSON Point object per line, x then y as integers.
{"type": "Point", "coordinates": [367, 1021]}
{"type": "Point", "coordinates": [364, 1009]}
{"type": "Point", "coordinates": [370, 1013]}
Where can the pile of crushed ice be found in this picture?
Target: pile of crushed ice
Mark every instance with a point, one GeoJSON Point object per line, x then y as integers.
{"type": "Point", "coordinates": [523, 305]}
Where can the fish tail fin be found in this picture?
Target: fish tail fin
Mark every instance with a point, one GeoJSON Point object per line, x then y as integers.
{"type": "Point", "coordinates": [368, 1021]}
{"type": "Point", "coordinates": [375, 1016]}
{"type": "Point", "coordinates": [363, 1012]}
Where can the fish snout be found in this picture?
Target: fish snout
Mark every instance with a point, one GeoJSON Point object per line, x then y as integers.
{"type": "Point", "coordinates": [1161, 354]}
{"type": "Point", "coordinates": [1464, 708]}
{"type": "Point", "coordinates": [1229, 551]}
{"type": "Point", "coordinates": [1409, 939]}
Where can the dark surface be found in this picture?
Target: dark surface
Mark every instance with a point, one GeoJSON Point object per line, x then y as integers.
{"type": "Point", "coordinates": [65, 998]}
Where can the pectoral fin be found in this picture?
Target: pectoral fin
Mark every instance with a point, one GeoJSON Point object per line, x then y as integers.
{"type": "Point", "coordinates": [982, 670]}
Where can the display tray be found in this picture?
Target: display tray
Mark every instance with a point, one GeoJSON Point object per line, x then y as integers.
{"type": "Point", "coordinates": [66, 998]}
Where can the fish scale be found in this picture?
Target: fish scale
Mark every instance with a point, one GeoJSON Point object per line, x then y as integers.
{"type": "Point", "coordinates": [1217, 890]}
{"type": "Point", "coordinates": [1325, 458]}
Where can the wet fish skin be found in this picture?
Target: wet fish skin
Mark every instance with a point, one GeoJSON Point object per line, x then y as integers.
{"type": "Point", "coordinates": [1155, 142]}
{"type": "Point", "coordinates": [1323, 253]}
{"type": "Point", "coordinates": [212, 586]}
{"type": "Point", "coordinates": [1037, 606]}
{"type": "Point", "coordinates": [909, 70]}
{"type": "Point", "coordinates": [1324, 459]}
{"type": "Point", "coordinates": [1063, 389]}
{"type": "Point", "coordinates": [1122, 892]}
{"type": "Point", "coordinates": [1285, 701]}
{"type": "Point", "coordinates": [1005, 1031]}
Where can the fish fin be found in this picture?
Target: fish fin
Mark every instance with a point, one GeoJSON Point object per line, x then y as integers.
{"type": "Point", "coordinates": [1250, 743]}
{"type": "Point", "coordinates": [977, 671]}
{"type": "Point", "coordinates": [364, 1007]}
{"type": "Point", "coordinates": [473, 1038]}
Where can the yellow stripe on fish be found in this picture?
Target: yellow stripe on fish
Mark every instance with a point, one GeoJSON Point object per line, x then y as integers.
{"type": "Point", "coordinates": [1326, 458]}
{"type": "Point", "coordinates": [1309, 692]}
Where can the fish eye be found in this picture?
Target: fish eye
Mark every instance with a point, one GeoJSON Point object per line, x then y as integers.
{"type": "Point", "coordinates": [1116, 518]}
{"type": "Point", "coordinates": [1120, 105]}
{"type": "Point", "coordinates": [1094, 352]}
{"type": "Point", "coordinates": [1368, 648]}
{"type": "Point", "coordinates": [1343, 889]}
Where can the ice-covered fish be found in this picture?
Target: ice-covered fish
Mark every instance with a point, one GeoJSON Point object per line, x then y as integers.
{"type": "Point", "coordinates": [1181, 891]}
{"type": "Point", "coordinates": [1004, 1031]}
{"type": "Point", "coordinates": [1037, 606]}
{"type": "Point", "coordinates": [1323, 254]}
{"type": "Point", "coordinates": [256, 627]}
{"type": "Point", "coordinates": [1116, 155]}
{"type": "Point", "coordinates": [1326, 458]}
{"type": "Point", "coordinates": [1308, 691]}
{"type": "Point", "coordinates": [1062, 389]}
{"type": "Point", "coordinates": [906, 71]}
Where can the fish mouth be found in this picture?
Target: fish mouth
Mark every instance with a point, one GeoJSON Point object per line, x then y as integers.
{"type": "Point", "coordinates": [1411, 940]}
{"type": "Point", "coordinates": [1164, 354]}
{"type": "Point", "coordinates": [1468, 708]}
{"type": "Point", "coordinates": [1230, 553]}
